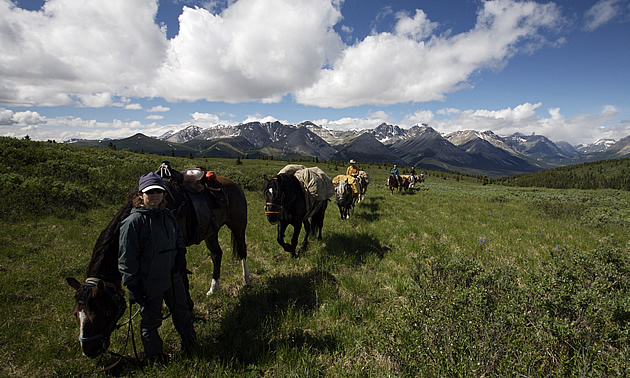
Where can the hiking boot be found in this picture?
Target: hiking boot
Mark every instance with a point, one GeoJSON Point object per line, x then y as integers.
{"type": "Point", "coordinates": [161, 359]}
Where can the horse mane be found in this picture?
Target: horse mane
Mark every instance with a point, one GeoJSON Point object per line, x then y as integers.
{"type": "Point", "coordinates": [290, 186]}
{"type": "Point", "coordinates": [104, 261]}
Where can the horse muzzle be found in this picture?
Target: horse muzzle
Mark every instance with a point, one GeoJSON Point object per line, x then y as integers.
{"type": "Point", "coordinates": [95, 348]}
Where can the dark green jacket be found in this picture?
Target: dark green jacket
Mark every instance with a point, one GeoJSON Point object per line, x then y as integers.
{"type": "Point", "coordinates": [151, 245]}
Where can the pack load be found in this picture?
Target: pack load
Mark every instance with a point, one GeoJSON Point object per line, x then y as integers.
{"type": "Point", "coordinates": [352, 181]}
{"type": "Point", "coordinates": [364, 176]}
{"type": "Point", "coordinates": [317, 185]}
{"type": "Point", "coordinates": [291, 169]}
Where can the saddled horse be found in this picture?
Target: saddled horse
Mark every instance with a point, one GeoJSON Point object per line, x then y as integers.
{"type": "Point", "coordinates": [100, 300]}
{"type": "Point", "coordinates": [393, 184]}
{"type": "Point", "coordinates": [285, 204]}
{"type": "Point", "coordinates": [364, 180]}
{"type": "Point", "coordinates": [345, 198]}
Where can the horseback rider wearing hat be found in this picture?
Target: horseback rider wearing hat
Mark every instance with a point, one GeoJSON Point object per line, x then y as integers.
{"type": "Point", "coordinates": [352, 170]}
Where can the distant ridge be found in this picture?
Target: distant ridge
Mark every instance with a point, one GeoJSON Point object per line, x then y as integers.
{"type": "Point", "coordinates": [466, 151]}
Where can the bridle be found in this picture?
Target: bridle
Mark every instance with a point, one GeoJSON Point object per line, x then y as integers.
{"type": "Point", "coordinates": [119, 301]}
{"type": "Point", "coordinates": [268, 205]}
{"type": "Point", "coordinates": [121, 306]}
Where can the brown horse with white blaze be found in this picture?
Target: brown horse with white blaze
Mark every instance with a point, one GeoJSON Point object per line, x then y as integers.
{"type": "Point", "coordinates": [100, 299]}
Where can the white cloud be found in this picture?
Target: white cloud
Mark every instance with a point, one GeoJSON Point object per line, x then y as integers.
{"type": "Point", "coordinates": [73, 52]}
{"type": "Point", "coordinates": [25, 118]}
{"type": "Point", "coordinates": [135, 106]}
{"type": "Point", "coordinates": [417, 28]}
{"type": "Point", "coordinates": [209, 119]}
{"type": "Point", "coordinates": [603, 12]}
{"type": "Point", "coordinates": [253, 50]}
{"type": "Point", "coordinates": [584, 128]}
{"type": "Point", "coordinates": [6, 117]}
{"type": "Point", "coordinates": [448, 111]}
{"type": "Point", "coordinates": [368, 73]}
{"type": "Point", "coordinates": [87, 54]}
{"type": "Point", "coordinates": [28, 118]}
{"type": "Point", "coordinates": [155, 117]}
{"type": "Point", "coordinates": [419, 117]}
{"type": "Point", "coordinates": [159, 108]}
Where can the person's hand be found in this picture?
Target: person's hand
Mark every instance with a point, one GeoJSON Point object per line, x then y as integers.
{"type": "Point", "coordinates": [136, 296]}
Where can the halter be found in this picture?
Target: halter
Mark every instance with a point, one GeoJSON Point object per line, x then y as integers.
{"type": "Point", "coordinates": [118, 300]}
{"type": "Point", "coordinates": [268, 204]}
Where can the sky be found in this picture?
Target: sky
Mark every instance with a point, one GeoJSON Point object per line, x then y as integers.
{"type": "Point", "coordinates": [77, 69]}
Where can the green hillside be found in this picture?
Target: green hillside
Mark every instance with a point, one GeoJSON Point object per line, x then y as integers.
{"type": "Point", "coordinates": [604, 174]}
{"type": "Point", "coordinates": [452, 279]}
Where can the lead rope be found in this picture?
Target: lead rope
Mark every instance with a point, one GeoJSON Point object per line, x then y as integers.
{"type": "Point", "coordinates": [133, 342]}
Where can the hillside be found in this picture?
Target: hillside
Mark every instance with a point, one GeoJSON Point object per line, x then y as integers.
{"type": "Point", "coordinates": [605, 174]}
{"type": "Point", "coordinates": [454, 278]}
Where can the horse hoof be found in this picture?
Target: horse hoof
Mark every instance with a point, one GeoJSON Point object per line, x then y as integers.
{"type": "Point", "coordinates": [214, 287]}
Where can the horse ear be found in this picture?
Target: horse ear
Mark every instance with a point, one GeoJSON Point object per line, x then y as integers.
{"type": "Point", "coordinates": [265, 177]}
{"type": "Point", "coordinates": [73, 282]}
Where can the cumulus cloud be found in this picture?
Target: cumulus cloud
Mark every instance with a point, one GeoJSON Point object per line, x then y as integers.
{"type": "Point", "coordinates": [154, 117]}
{"type": "Point", "coordinates": [133, 107]}
{"type": "Point", "coordinates": [159, 109]}
{"type": "Point", "coordinates": [6, 117]}
{"type": "Point", "coordinates": [88, 54]}
{"type": "Point", "coordinates": [253, 50]}
{"type": "Point", "coordinates": [73, 52]}
{"type": "Point", "coordinates": [603, 12]}
{"type": "Point", "coordinates": [389, 68]}
{"type": "Point", "coordinates": [26, 118]}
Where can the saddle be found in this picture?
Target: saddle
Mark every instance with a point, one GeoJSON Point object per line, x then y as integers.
{"type": "Point", "coordinates": [198, 190]}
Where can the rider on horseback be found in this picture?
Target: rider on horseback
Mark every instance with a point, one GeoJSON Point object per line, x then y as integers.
{"type": "Point", "coordinates": [394, 172]}
{"type": "Point", "coordinates": [352, 170]}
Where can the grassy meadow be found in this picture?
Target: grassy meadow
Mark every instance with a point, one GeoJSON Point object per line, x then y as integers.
{"type": "Point", "coordinates": [454, 278]}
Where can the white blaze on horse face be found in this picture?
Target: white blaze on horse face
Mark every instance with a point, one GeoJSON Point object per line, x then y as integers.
{"type": "Point", "coordinates": [82, 319]}
{"type": "Point", "coordinates": [271, 191]}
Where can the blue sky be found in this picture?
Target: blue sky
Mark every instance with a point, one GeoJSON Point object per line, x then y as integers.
{"type": "Point", "coordinates": [90, 70]}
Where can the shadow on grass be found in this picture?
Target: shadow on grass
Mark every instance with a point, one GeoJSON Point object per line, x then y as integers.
{"type": "Point", "coordinates": [368, 209]}
{"type": "Point", "coordinates": [358, 247]}
{"type": "Point", "coordinates": [255, 328]}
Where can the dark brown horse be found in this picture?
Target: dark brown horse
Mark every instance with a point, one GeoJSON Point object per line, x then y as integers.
{"type": "Point", "coordinates": [345, 199]}
{"type": "Point", "coordinates": [285, 204]}
{"type": "Point", "coordinates": [100, 300]}
{"type": "Point", "coordinates": [393, 184]}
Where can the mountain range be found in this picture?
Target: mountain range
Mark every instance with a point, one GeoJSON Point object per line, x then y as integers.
{"type": "Point", "coordinates": [467, 151]}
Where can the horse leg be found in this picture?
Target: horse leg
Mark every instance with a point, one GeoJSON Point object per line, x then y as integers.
{"type": "Point", "coordinates": [216, 254]}
{"type": "Point", "coordinates": [307, 233]}
{"type": "Point", "coordinates": [287, 247]}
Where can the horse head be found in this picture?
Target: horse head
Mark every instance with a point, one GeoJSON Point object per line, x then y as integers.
{"type": "Point", "coordinates": [342, 191]}
{"type": "Point", "coordinates": [272, 192]}
{"type": "Point", "coordinates": [98, 308]}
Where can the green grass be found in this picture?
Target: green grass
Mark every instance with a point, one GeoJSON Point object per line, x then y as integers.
{"type": "Point", "coordinates": [454, 279]}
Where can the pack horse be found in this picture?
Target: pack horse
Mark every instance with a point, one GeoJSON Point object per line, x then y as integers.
{"type": "Point", "coordinates": [297, 196]}
{"type": "Point", "coordinates": [201, 209]}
